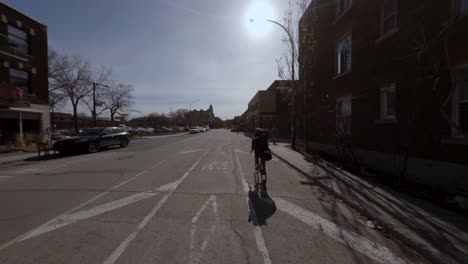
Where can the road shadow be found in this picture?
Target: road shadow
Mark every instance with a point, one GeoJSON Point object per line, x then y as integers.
{"type": "Point", "coordinates": [261, 207]}
{"type": "Point", "coordinates": [57, 155]}
{"type": "Point", "coordinates": [374, 199]}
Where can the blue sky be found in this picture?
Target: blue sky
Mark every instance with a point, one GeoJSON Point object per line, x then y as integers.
{"type": "Point", "coordinates": [171, 51]}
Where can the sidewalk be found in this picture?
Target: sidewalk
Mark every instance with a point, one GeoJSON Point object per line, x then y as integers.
{"type": "Point", "coordinates": [437, 234]}
{"type": "Point", "coordinates": [16, 156]}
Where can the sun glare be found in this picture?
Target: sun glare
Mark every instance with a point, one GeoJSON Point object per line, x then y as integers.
{"type": "Point", "coordinates": [256, 16]}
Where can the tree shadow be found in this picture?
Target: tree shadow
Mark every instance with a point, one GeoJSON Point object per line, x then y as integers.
{"type": "Point", "coordinates": [261, 206]}
{"type": "Point", "coordinates": [380, 202]}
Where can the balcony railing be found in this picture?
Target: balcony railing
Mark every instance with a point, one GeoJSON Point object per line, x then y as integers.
{"type": "Point", "coordinates": [12, 93]}
{"type": "Point", "coordinates": [14, 48]}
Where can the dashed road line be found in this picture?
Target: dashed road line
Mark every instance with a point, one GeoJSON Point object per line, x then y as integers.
{"type": "Point", "coordinates": [170, 188]}
{"type": "Point", "coordinates": [192, 151]}
{"type": "Point", "coordinates": [261, 246]}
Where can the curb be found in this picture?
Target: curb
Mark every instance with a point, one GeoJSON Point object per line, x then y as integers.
{"type": "Point", "coordinates": [421, 250]}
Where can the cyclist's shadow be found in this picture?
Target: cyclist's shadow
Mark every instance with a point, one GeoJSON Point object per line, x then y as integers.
{"type": "Point", "coordinates": [261, 207]}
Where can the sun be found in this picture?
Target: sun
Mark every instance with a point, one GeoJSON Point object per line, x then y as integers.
{"type": "Point", "coordinates": [256, 16]}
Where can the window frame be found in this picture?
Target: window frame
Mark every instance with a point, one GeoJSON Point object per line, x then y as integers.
{"type": "Point", "coordinates": [383, 19]}
{"type": "Point", "coordinates": [340, 13]}
{"type": "Point", "coordinates": [337, 55]}
{"type": "Point", "coordinates": [18, 40]}
{"type": "Point", "coordinates": [384, 90]}
{"type": "Point", "coordinates": [459, 10]}
{"type": "Point", "coordinates": [457, 132]}
{"type": "Point", "coordinates": [347, 126]}
{"type": "Point", "coordinates": [27, 88]}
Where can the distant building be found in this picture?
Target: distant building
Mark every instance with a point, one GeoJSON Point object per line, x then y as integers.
{"type": "Point", "coordinates": [23, 76]}
{"type": "Point", "coordinates": [201, 117]}
{"type": "Point", "coordinates": [269, 109]}
{"type": "Point", "coordinates": [65, 121]}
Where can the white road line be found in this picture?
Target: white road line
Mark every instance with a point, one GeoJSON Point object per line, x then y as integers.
{"type": "Point", "coordinates": [192, 151]}
{"type": "Point", "coordinates": [124, 245]}
{"type": "Point", "coordinates": [170, 188]}
{"type": "Point", "coordinates": [88, 213]}
{"type": "Point", "coordinates": [243, 152]}
{"type": "Point", "coordinates": [19, 238]}
{"type": "Point", "coordinates": [194, 257]}
{"type": "Point", "coordinates": [256, 229]}
{"type": "Point", "coordinates": [355, 241]}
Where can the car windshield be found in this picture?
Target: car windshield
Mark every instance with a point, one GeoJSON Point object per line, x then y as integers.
{"type": "Point", "coordinates": [91, 132]}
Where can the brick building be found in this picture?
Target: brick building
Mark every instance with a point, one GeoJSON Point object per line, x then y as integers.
{"type": "Point", "coordinates": [201, 117]}
{"type": "Point", "coordinates": [269, 110]}
{"type": "Point", "coordinates": [62, 121]}
{"type": "Point", "coordinates": [23, 76]}
{"type": "Point", "coordinates": [386, 83]}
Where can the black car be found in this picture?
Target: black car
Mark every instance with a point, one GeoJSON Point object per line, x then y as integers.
{"type": "Point", "coordinates": [93, 139]}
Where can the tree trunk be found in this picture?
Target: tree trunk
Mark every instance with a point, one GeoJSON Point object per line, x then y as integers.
{"type": "Point", "coordinates": [112, 117]}
{"type": "Point", "coordinates": [75, 118]}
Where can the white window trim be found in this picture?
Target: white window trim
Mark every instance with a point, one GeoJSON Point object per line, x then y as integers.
{"type": "Point", "coordinates": [457, 133]}
{"type": "Point", "coordinates": [383, 102]}
{"type": "Point", "coordinates": [336, 57]}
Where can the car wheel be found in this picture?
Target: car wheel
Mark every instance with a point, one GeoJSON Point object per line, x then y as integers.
{"type": "Point", "coordinates": [93, 147]}
{"type": "Point", "coordinates": [123, 143]}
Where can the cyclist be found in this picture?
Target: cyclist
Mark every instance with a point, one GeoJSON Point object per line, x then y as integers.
{"type": "Point", "coordinates": [260, 146]}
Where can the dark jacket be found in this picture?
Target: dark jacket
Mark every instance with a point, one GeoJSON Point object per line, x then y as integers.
{"type": "Point", "coordinates": [260, 144]}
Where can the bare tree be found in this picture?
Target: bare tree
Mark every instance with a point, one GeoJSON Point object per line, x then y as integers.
{"type": "Point", "coordinates": [289, 62]}
{"type": "Point", "coordinates": [102, 82]}
{"type": "Point", "coordinates": [120, 100]}
{"type": "Point", "coordinates": [71, 77]}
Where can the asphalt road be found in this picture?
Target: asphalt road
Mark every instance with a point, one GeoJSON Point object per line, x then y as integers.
{"type": "Point", "coordinates": [180, 199]}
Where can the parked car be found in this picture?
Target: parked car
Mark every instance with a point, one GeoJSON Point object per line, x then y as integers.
{"type": "Point", "coordinates": [168, 129]}
{"type": "Point", "coordinates": [57, 136]}
{"type": "Point", "coordinates": [194, 130]}
{"type": "Point", "coordinates": [66, 132]}
{"type": "Point", "coordinates": [93, 139]}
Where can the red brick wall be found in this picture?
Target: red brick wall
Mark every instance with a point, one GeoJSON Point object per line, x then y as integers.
{"type": "Point", "coordinates": [38, 51]}
{"type": "Point", "coordinates": [420, 126]}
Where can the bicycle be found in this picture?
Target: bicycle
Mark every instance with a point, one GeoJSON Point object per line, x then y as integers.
{"type": "Point", "coordinates": [260, 175]}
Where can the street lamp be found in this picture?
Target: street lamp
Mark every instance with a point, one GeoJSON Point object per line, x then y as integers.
{"type": "Point", "coordinates": [293, 76]}
{"type": "Point", "coordinates": [190, 111]}
{"type": "Point", "coordinates": [94, 100]}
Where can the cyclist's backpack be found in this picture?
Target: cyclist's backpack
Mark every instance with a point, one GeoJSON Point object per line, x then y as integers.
{"type": "Point", "coordinates": [267, 154]}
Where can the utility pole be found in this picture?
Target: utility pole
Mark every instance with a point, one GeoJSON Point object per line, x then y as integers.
{"type": "Point", "coordinates": [94, 101]}
{"type": "Point", "coordinates": [293, 82]}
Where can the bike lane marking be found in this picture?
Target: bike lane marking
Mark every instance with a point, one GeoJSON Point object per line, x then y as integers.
{"type": "Point", "coordinates": [194, 257]}
{"type": "Point", "coordinates": [46, 225]}
{"type": "Point", "coordinates": [355, 241]}
{"type": "Point", "coordinates": [170, 188]}
{"type": "Point", "coordinates": [256, 229]}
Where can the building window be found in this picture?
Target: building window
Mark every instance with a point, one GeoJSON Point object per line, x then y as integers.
{"type": "Point", "coordinates": [343, 55]}
{"type": "Point", "coordinates": [18, 40]}
{"type": "Point", "coordinates": [463, 7]}
{"type": "Point", "coordinates": [460, 103]}
{"type": "Point", "coordinates": [389, 16]}
{"type": "Point", "coordinates": [387, 102]}
{"type": "Point", "coordinates": [343, 6]}
{"type": "Point", "coordinates": [20, 78]}
{"type": "Point", "coordinates": [343, 116]}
